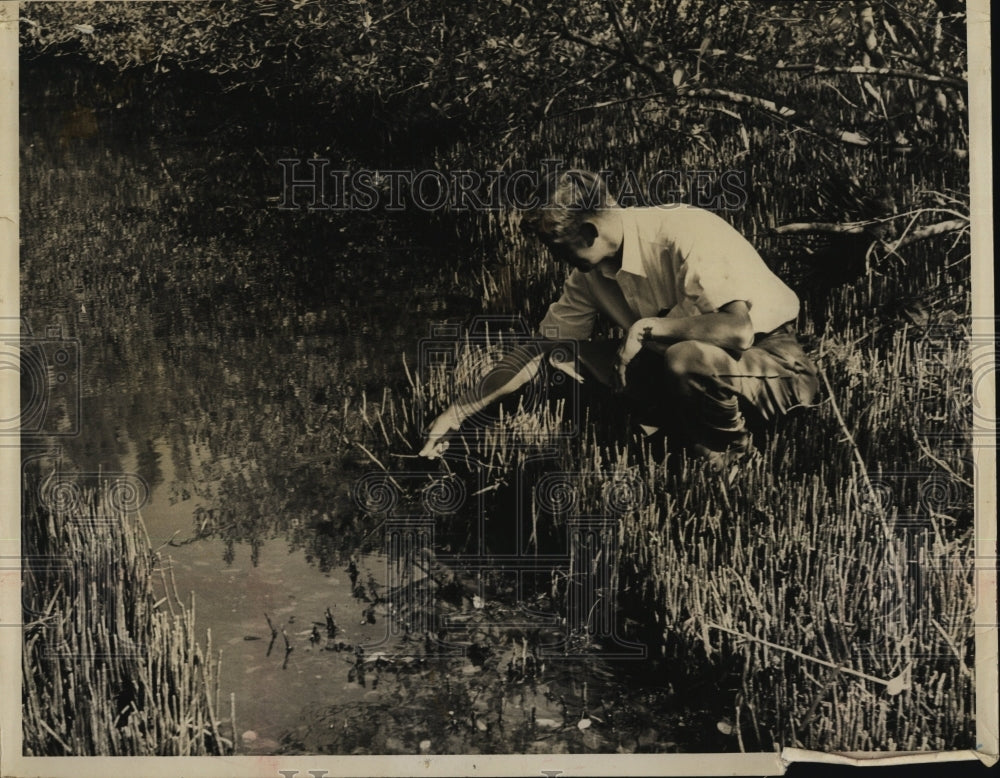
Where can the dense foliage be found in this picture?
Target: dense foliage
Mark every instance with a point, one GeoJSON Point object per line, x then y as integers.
{"type": "Point", "coordinates": [510, 65]}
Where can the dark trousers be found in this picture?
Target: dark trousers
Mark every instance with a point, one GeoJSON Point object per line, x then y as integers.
{"type": "Point", "coordinates": [704, 391]}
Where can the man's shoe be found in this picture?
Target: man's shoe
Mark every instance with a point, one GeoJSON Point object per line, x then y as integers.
{"type": "Point", "coordinates": [727, 462]}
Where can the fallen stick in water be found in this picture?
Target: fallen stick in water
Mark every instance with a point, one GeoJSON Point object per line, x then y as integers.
{"type": "Point", "coordinates": [893, 685]}
{"type": "Point", "coordinates": [274, 634]}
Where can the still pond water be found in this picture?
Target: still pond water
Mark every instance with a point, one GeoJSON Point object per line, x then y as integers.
{"type": "Point", "coordinates": [219, 340]}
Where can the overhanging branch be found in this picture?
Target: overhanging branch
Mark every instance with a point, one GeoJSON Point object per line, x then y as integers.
{"type": "Point", "coordinates": [839, 134]}
{"type": "Point", "coordinates": [861, 70]}
{"type": "Point", "coordinates": [810, 69]}
{"type": "Point", "coordinates": [858, 228]}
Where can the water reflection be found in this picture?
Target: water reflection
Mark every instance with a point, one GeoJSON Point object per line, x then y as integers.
{"type": "Point", "coordinates": [225, 345]}
{"type": "Point", "coordinates": [238, 354]}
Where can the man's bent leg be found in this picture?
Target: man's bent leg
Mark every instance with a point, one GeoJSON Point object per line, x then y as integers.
{"type": "Point", "coordinates": [773, 376]}
{"type": "Point", "coordinates": [594, 367]}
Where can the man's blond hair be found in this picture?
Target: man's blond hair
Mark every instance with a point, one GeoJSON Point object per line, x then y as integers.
{"type": "Point", "coordinates": [566, 199]}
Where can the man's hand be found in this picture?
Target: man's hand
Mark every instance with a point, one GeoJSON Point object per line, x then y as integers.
{"type": "Point", "coordinates": [631, 345]}
{"type": "Point", "coordinates": [436, 443]}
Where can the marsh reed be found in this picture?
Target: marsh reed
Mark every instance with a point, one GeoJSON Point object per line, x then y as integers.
{"type": "Point", "coordinates": [111, 665]}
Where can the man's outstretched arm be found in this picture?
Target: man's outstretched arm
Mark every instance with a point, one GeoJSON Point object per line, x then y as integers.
{"type": "Point", "coordinates": [515, 370]}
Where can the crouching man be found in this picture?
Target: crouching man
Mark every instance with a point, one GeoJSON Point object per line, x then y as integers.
{"type": "Point", "coordinates": [709, 328]}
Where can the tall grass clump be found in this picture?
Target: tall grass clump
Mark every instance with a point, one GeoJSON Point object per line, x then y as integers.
{"type": "Point", "coordinates": [109, 667]}
{"type": "Point", "coordinates": [850, 628]}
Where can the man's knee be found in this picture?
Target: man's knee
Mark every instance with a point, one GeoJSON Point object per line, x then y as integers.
{"type": "Point", "coordinates": [691, 359]}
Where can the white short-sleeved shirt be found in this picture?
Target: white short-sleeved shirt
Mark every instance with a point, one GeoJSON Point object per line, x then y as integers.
{"type": "Point", "coordinates": [681, 258]}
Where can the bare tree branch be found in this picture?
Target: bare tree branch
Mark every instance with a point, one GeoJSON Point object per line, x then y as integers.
{"type": "Point", "coordinates": [860, 70]}
{"type": "Point", "coordinates": [818, 70]}
{"type": "Point", "coordinates": [629, 48]}
{"type": "Point", "coordinates": [868, 38]}
{"type": "Point", "coordinates": [781, 111]}
{"type": "Point", "coordinates": [604, 104]}
{"type": "Point", "coordinates": [590, 43]}
{"type": "Point", "coordinates": [893, 15]}
{"type": "Point", "coordinates": [796, 228]}
{"type": "Point", "coordinates": [952, 225]}
{"type": "Point", "coordinates": [858, 228]}
{"type": "Point", "coordinates": [616, 18]}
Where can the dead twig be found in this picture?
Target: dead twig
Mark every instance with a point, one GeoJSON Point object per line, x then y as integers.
{"type": "Point", "coordinates": [939, 462]}
{"type": "Point", "coordinates": [274, 634]}
{"type": "Point", "coordinates": [376, 460]}
{"type": "Point", "coordinates": [893, 685]}
{"type": "Point", "coordinates": [846, 228]}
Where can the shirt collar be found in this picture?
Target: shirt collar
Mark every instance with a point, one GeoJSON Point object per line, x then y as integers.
{"type": "Point", "coordinates": [631, 254]}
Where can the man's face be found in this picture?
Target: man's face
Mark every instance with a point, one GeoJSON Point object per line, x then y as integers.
{"type": "Point", "coordinates": [574, 256]}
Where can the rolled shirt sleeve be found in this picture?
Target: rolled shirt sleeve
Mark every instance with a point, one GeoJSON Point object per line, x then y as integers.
{"type": "Point", "coordinates": [572, 315]}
